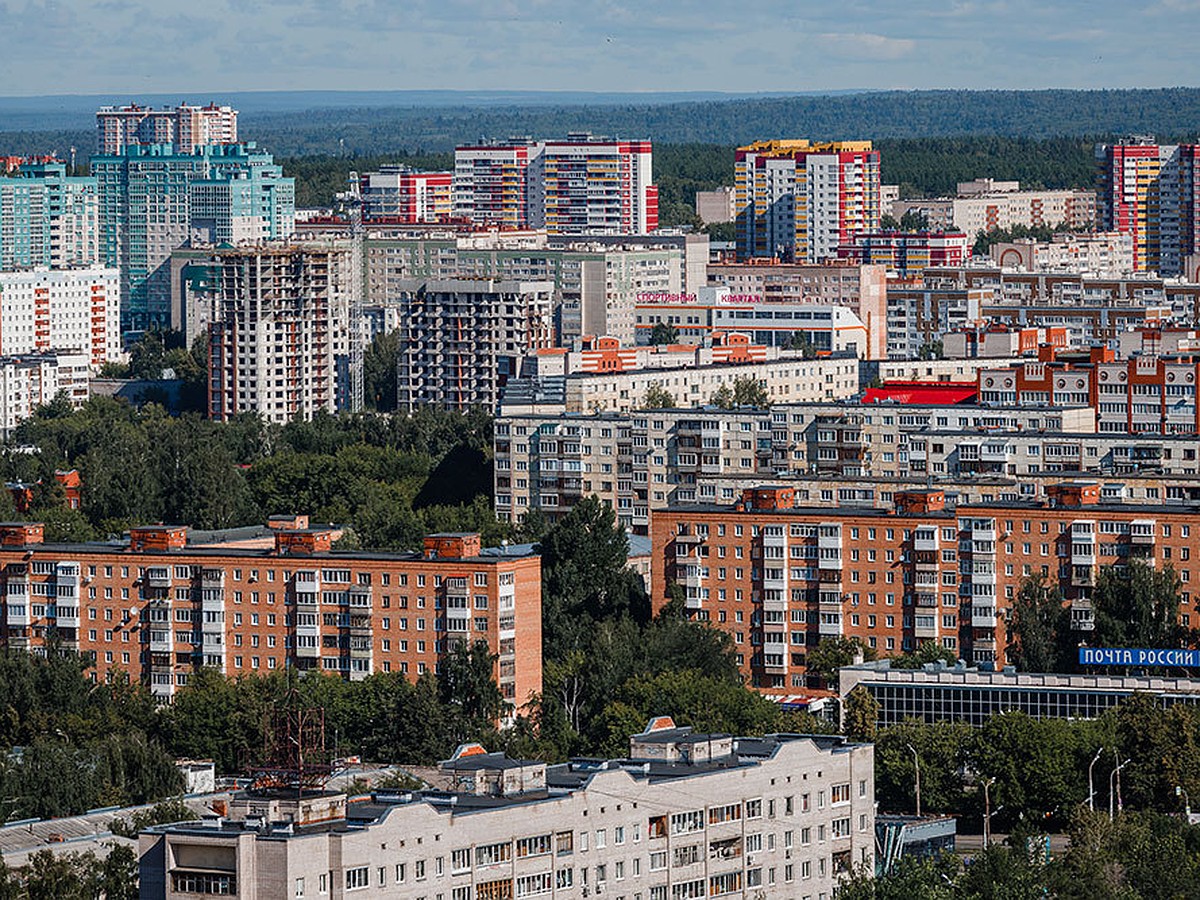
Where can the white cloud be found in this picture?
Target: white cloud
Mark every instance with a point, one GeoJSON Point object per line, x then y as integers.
{"type": "Point", "coordinates": [864, 45]}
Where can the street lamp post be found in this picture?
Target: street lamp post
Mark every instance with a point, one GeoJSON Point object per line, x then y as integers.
{"type": "Point", "coordinates": [1114, 781]}
{"type": "Point", "coordinates": [1187, 801]}
{"type": "Point", "coordinates": [1091, 790]}
{"type": "Point", "coordinates": [987, 812]}
{"type": "Point", "coordinates": [917, 763]}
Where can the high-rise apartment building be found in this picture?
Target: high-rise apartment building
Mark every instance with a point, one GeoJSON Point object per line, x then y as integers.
{"type": "Point", "coordinates": [32, 380]}
{"type": "Point", "coordinates": [160, 606]}
{"type": "Point", "coordinates": [583, 185]}
{"type": "Point", "coordinates": [185, 126]}
{"type": "Point", "coordinates": [800, 201]}
{"type": "Point", "coordinates": [462, 340]}
{"type": "Point", "coordinates": [400, 195]}
{"type": "Point", "coordinates": [47, 218]}
{"type": "Point", "coordinates": [61, 310]}
{"type": "Point", "coordinates": [1152, 192]}
{"type": "Point", "coordinates": [283, 330]}
{"type": "Point", "coordinates": [152, 197]}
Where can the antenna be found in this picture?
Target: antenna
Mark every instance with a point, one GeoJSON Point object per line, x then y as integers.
{"type": "Point", "coordinates": [293, 755]}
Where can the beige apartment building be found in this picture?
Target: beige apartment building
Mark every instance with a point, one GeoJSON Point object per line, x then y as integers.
{"type": "Point", "coordinates": [685, 815]}
{"type": "Point", "coordinates": [648, 459]}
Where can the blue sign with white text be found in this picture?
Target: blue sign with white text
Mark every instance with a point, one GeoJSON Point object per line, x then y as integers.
{"type": "Point", "coordinates": [1119, 656]}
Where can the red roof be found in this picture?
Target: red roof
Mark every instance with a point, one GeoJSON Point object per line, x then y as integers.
{"type": "Point", "coordinates": [924, 393]}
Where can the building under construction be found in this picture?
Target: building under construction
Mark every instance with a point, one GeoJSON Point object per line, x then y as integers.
{"type": "Point", "coordinates": [284, 333]}
{"type": "Point", "coordinates": [463, 339]}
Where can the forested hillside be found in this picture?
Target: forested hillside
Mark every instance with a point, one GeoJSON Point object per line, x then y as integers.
{"type": "Point", "coordinates": [367, 130]}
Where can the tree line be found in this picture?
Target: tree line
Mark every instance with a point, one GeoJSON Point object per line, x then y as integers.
{"type": "Point", "coordinates": [390, 478]}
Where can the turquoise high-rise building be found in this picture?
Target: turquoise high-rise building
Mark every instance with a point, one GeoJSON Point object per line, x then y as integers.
{"type": "Point", "coordinates": [47, 218]}
{"type": "Point", "coordinates": [155, 199]}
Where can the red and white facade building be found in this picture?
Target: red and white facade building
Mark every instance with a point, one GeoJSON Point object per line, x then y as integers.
{"type": "Point", "coordinates": [581, 185]}
{"type": "Point", "coordinates": [399, 195]}
{"type": "Point", "coordinates": [51, 310]}
{"type": "Point", "coordinates": [908, 253]}
{"type": "Point", "coordinates": [801, 201]}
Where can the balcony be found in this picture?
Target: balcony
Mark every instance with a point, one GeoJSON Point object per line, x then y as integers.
{"type": "Point", "coordinates": [68, 616]}
{"type": "Point", "coordinates": [307, 583]}
{"type": "Point", "coordinates": [694, 598]}
{"type": "Point", "coordinates": [830, 624]}
{"type": "Point", "coordinates": [925, 540]}
{"type": "Point", "coordinates": [1083, 576]}
{"type": "Point", "coordinates": [18, 614]}
{"type": "Point", "coordinates": [212, 642]}
{"type": "Point", "coordinates": [925, 627]}
{"type": "Point", "coordinates": [359, 597]}
{"type": "Point", "coordinates": [983, 616]}
{"type": "Point", "coordinates": [161, 642]}
{"type": "Point", "coordinates": [984, 533]}
{"type": "Point", "coordinates": [926, 599]}
{"type": "Point", "coordinates": [158, 576]}
{"type": "Point", "coordinates": [1083, 618]}
{"type": "Point", "coordinates": [212, 578]}
{"type": "Point", "coordinates": [1141, 531]}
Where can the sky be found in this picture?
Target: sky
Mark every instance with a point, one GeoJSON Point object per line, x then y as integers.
{"type": "Point", "coordinates": [123, 46]}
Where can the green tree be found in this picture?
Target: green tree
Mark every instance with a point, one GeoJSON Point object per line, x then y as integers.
{"type": "Point", "coordinates": [912, 879]}
{"type": "Point", "coordinates": [467, 684]}
{"type": "Point", "coordinates": [379, 371]}
{"type": "Point", "coordinates": [664, 333]}
{"type": "Point", "coordinates": [586, 576]}
{"type": "Point", "coordinates": [722, 398]}
{"type": "Point", "coordinates": [860, 715]}
{"type": "Point", "coordinates": [832, 653]}
{"type": "Point", "coordinates": [657, 397]}
{"type": "Point", "coordinates": [1137, 606]}
{"type": "Point", "coordinates": [944, 751]}
{"type": "Point", "coordinates": [1039, 628]}
{"type": "Point", "coordinates": [750, 392]}
{"type": "Point", "coordinates": [930, 350]}
{"type": "Point", "coordinates": [118, 877]}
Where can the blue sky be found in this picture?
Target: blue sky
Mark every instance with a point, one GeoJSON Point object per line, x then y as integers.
{"type": "Point", "coordinates": [77, 46]}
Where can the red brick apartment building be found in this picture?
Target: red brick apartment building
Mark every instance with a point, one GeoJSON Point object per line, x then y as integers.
{"type": "Point", "coordinates": [160, 607]}
{"type": "Point", "coordinates": [779, 578]}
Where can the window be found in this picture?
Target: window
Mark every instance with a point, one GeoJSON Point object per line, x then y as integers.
{"type": "Point", "coordinates": [534, 885]}
{"type": "Point", "coordinates": [490, 854]}
{"type": "Point", "coordinates": [839, 828]}
{"type": "Point", "coordinates": [687, 822]}
{"type": "Point", "coordinates": [357, 878]}
{"type": "Point", "coordinates": [564, 842]}
{"type": "Point", "coordinates": [538, 845]}
{"type": "Point", "coordinates": [658, 860]}
{"type": "Point", "coordinates": [299, 887]}
{"type": "Point", "coordinates": [460, 860]}
{"type": "Point", "coordinates": [840, 793]}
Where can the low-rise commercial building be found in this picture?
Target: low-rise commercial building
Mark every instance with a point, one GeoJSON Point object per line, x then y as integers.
{"type": "Point", "coordinates": [159, 606]}
{"type": "Point", "coordinates": [685, 815]}
{"type": "Point", "coordinates": [970, 694]}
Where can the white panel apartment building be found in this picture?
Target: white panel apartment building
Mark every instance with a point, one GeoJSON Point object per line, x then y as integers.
{"type": "Point", "coordinates": [684, 816]}
{"type": "Point", "coordinates": [27, 382]}
{"type": "Point", "coordinates": [76, 310]}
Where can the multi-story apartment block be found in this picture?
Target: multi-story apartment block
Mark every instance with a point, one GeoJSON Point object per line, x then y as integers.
{"type": "Point", "coordinates": [146, 212]}
{"type": "Point", "coordinates": [984, 205]}
{"type": "Point", "coordinates": [786, 377]}
{"type": "Point", "coordinates": [1151, 191]}
{"type": "Point", "coordinates": [1105, 254]}
{"type": "Point", "coordinates": [31, 380]}
{"type": "Point", "coordinates": [861, 288]}
{"type": "Point", "coordinates": [75, 310]}
{"type": "Point", "coordinates": [716, 206]}
{"type": "Point", "coordinates": [398, 194]}
{"type": "Point", "coordinates": [47, 218]}
{"type": "Point", "coordinates": [908, 254]}
{"type": "Point", "coordinates": [583, 185]}
{"type": "Point", "coordinates": [779, 579]}
{"type": "Point", "coordinates": [684, 815]}
{"type": "Point", "coordinates": [999, 342]}
{"type": "Point", "coordinates": [649, 459]}
{"type": "Point", "coordinates": [159, 607]}
{"type": "Point", "coordinates": [463, 339]}
{"type": "Point", "coordinates": [919, 316]}
{"type": "Point", "coordinates": [595, 285]}
{"type": "Point", "coordinates": [187, 127]}
{"type": "Point", "coordinates": [800, 201]}
{"type": "Point", "coordinates": [1145, 394]}
{"type": "Point", "coordinates": [283, 330]}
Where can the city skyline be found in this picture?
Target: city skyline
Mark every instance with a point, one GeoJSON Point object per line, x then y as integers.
{"type": "Point", "coordinates": [462, 45]}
